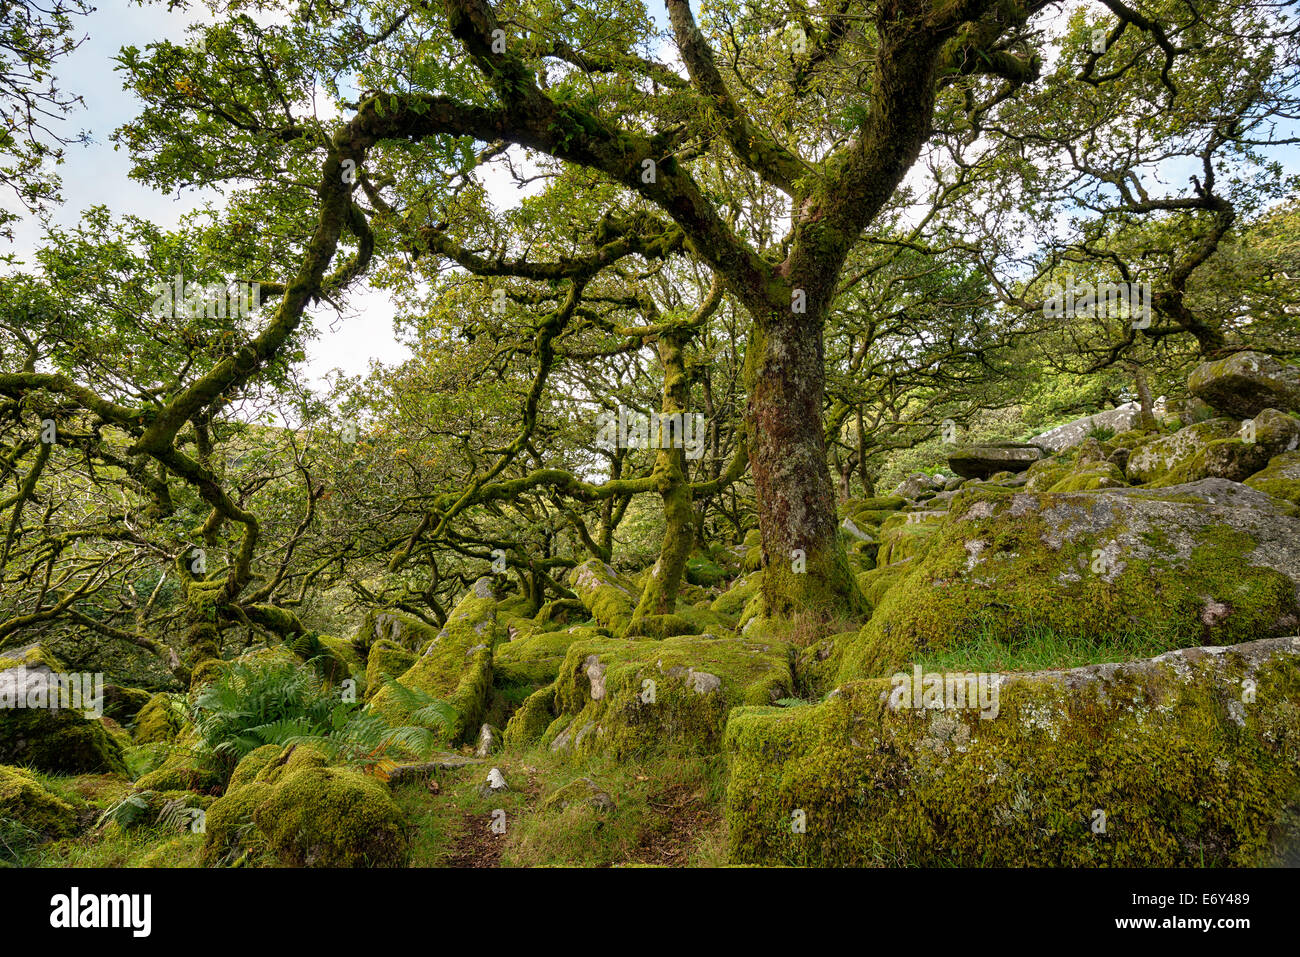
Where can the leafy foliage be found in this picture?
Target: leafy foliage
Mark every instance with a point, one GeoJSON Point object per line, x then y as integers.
{"type": "Point", "coordinates": [254, 704]}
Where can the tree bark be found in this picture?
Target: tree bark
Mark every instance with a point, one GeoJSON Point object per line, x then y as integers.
{"type": "Point", "coordinates": [659, 597]}
{"type": "Point", "coordinates": [806, 569]}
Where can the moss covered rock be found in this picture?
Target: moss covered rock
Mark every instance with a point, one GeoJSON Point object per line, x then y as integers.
{"type": "Point", "coordinates": [1237, 458]}
{"type": "Point", "coordinates": [123, 704]}
{"type": "Point", "coordinates": [185, 768]}
{"type": "Point", "coordinates": [288, 806]}
{"type": "Point", "coordinates": [607, 596]}
{"type": "Point", "coordinates": [25, 800]}
{"type": "Point", "coordinates": [531, 719]}
{"type": "Point", "coordinates": [535, 660]}
{"type": "Point", "coordinates": [229, 831]}
{"type": "Point", "coordinates": [253, 764]}
{"type": "Point", "coordinates": [386, 659]}
{"type": "Point", "coordinates": [1246, 383]}
{"type": "Point", "coordinates": [399, 627]}
{"type": "Point", "coordinates": [158, 721]}
{"type": "Point", "coordinates": [1188, 759]}
{"type": "Point", "coordinates": [334, 660]}
{"type": "Point", "coordinates": [872, 511]}
{"type": "Point", "coordinates": [730, 603]}
{"type": "Point", "coordinates": [1162, 455]}
{"type": "Point", "coordinates": [1209, 562]}
{"type": "Point", "coordinates": [628, 697]}
{"type": "Point", "coordinates": [560, 611]}
{"type": "Point", "coordinates": [331, 817]}
{"type": "Point", "coordinates": [1089, 477]}
{"type": "Point", "coordinates": [456, 666]}
{"type": "Point", "coordinates": [704, 571]}
{"type": "Point", "coordinates": [1281, 478]}
{"type": "Point", "coordinates": [39, 729]}
{"type": "Point", "coordinates": [903, 535]}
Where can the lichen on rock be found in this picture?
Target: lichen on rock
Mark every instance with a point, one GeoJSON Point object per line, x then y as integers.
{"type": "Point", "coordinates": [1188, 759]}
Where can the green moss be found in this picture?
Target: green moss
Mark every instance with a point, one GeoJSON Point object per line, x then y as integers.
{"type": "Point", "coordinates": [209, 670]}
{"type": "Point", "coordinates": [24, 799]}
{"type": "Point", "coordinates": [333, 659]}
{"type": "Point", "coordinates": [229, 828]}
{"type": "Point", "coordinates": [287, 805]}
{"type": "Point", "coordinates": [872, 511]}
{"type": "Point", "coordinates": [1090, 478]}
{"type": "Point", "coordinates": [183, 850]}
{"type": "Point", "coordinates": [1008, 566]}
{"type": "Point", "coordinates": [386, 659]}
{"type": "Point", "coordinates": [1045, 473]}
{"type": "Point", "coordinates": [701, 619]}
{"type": "Point", "coordinates": [529, 722]}
{"type": "Point", "coordinates": [252, 764]}
{"type": "Point", "coordinates": [331, 817]}
{"type": "Point", "coordinates": [1281, 478]}
{"type": "Point", "coordinates": [904, 534]}
{"type": "Point", "coordinates": [629, 697]}
{"type": "Point", "coordinates": [1229, 458]}
{"type": "Point", "coordinates": [606, 595]}
{"type": "Point", "coordinates": [730, 603]}
{"type": "Point", "coordinates": [61, 742]}
{"type": "Point", "coordinates": [124, 704]}
{"type": "Point", "coordinates": [659, 626]}
{"type": "Point", "coordinates": [878, 581]}
{"type": "Point", "coordinates": [291, 759]}
{"type": "Point", "coordinates": [534, 660]}
{"type": "Point", "coordinates": [561, 611]}
{"type": "Point", "coordinates": [118, 734]}
{"type": "Point", "coordinates": [184, 768]}
{"type": "Point", "coordinates": [1156, 458]}
{"type": "Point", "coordinates": [158, 721]}
{"type": "Point", "coordinates": [399, 627]}
{"type": "Point", "coordinates": [181, 772]}
{"type": "Point", "coordinates": [515, 627]}
{"type": "Point", "coordinates": [1185, 771]}
{"type": "Point", "coordinates": [704, 572]}
{"type": "Point", "coordinates": [456, 666]}
{"type": "Point", "coordinates": [516, 606]}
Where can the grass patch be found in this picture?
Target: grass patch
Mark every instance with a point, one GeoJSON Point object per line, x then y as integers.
{"type": "Point", "coordinates": [1040, 648]}
{"type": "Point", "coordinates": [114, 847]}
{"type": "Point", "coordinates": [661, 810]}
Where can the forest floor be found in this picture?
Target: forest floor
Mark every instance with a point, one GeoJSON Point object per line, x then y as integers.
{"type": "Point", "coordinates": [664, 811]}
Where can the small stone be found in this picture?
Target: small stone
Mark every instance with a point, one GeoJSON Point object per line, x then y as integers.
{"type": "Point", "coordinates": [596, 675]}
{"type": "Point", "coordinates": [489, 741]}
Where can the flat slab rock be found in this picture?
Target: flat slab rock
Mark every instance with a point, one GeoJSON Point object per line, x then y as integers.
{"type": "Point", "coordinates": [983, 461]}
{"type": "Point", "coordinates": [1067, 436]}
